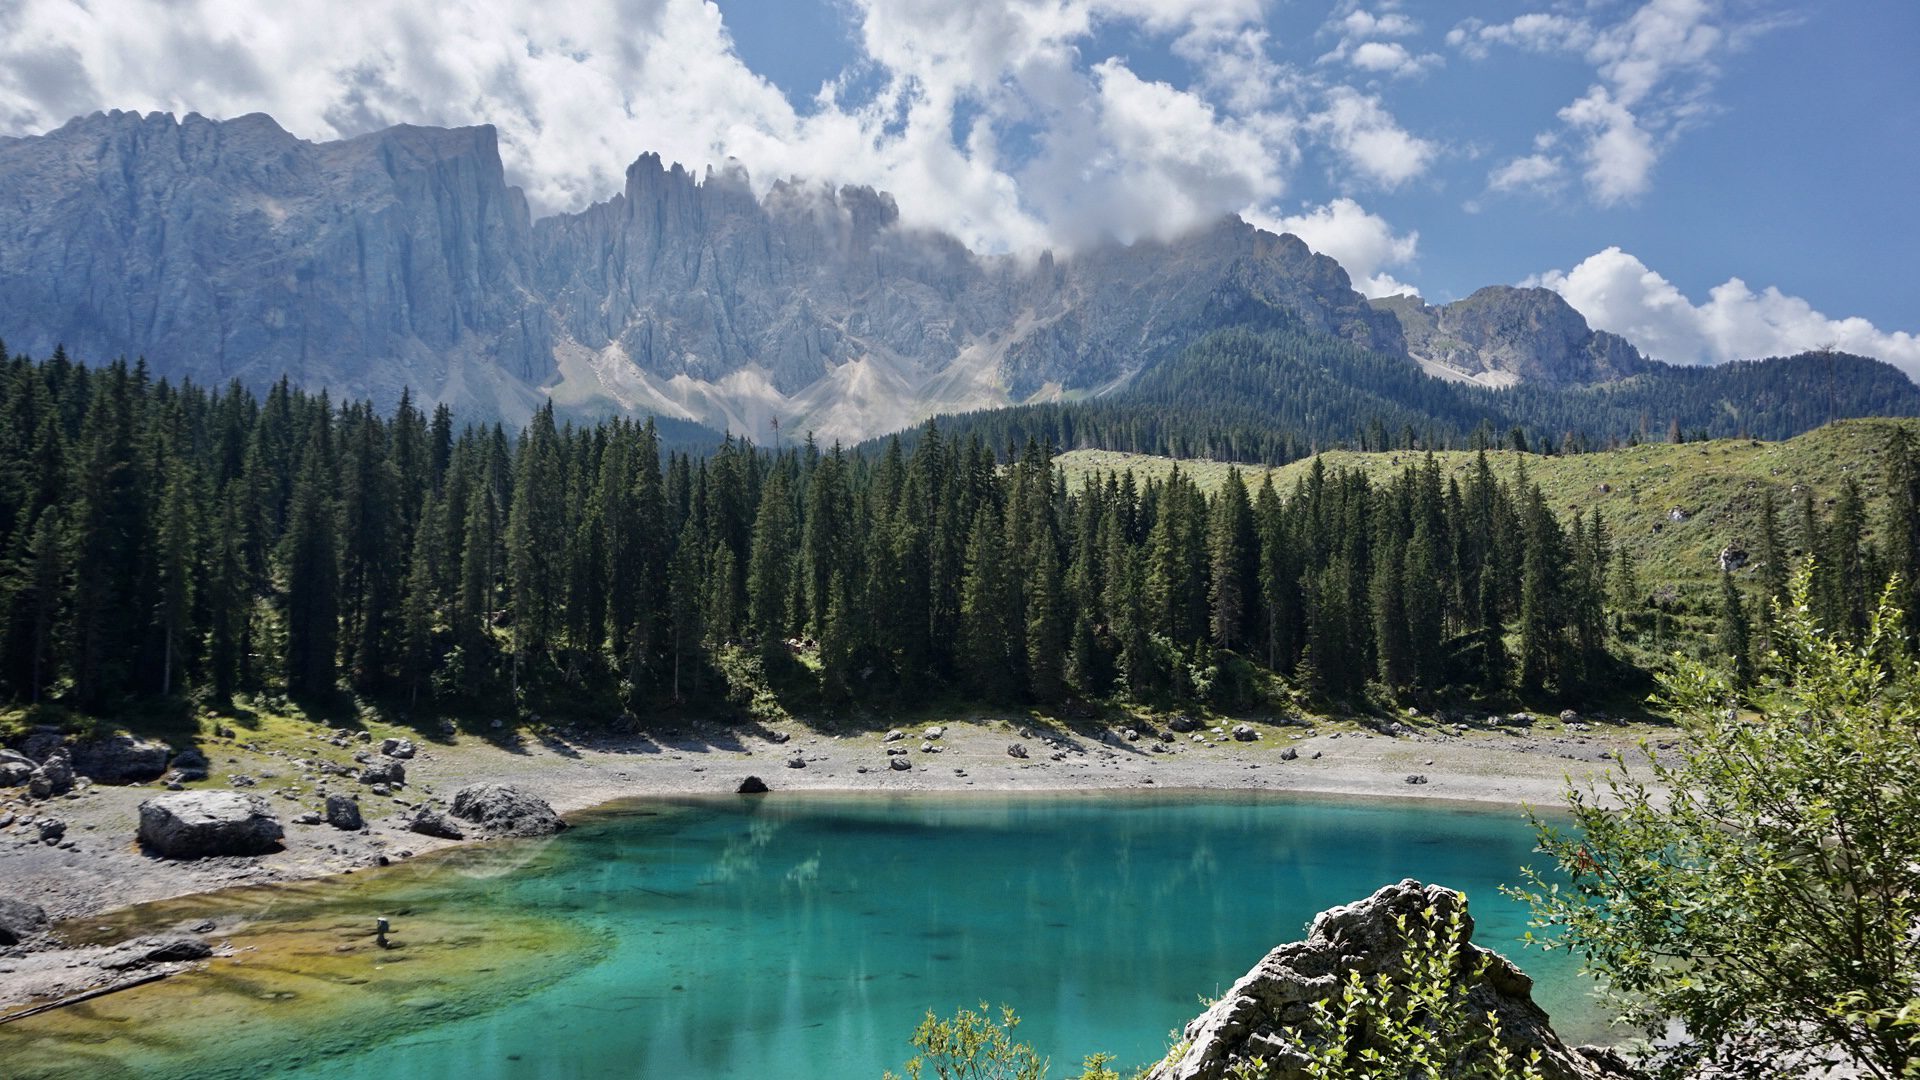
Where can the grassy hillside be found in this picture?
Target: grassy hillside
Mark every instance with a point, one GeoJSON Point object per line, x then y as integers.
{"type": "Point", "coordinates": [1717, 485]}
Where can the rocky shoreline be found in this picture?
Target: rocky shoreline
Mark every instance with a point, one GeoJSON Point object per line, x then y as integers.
{"type": "Point", "coordinates": [331, 802]}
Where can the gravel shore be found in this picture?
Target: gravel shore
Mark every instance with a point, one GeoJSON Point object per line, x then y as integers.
{"type": "Point", "coordinates": [96, 866]}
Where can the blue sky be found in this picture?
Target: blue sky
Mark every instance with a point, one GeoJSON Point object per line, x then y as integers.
{"type": "Point", "coordinates": [1711, 178]}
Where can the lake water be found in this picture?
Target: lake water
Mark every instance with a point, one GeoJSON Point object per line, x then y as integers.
{"type": "Point", "coordinates": [791, 937]}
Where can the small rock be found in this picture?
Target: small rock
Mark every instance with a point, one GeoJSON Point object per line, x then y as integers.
{"type": "Point", "coordinates": [935, 732]}
{"type": "Point", "coordinates": [1416, 778]}
{"type": "Point", "coordinates": [51, 830]}
{"type": "Point", "coordinates": [387, 771]}
{"type": "Point", "coordinates": [796, 762]}
{"type": "Point", "coordinates": [1243, 733]}
{"type": "Point", "coordinates": [434, 823]}
{"type": "Point", "coordinates": [900, 764]}
{"type": "Point", "coordinates": [1130, 735]}
{"type": "Point", "coordinates": [1017, 750]}
{"type": "Point", "coordinates": [20, 920]}
{"type": "Point", "coordinates": [311, 817]}
{"type": "Point", "coordinates": [1183, 724]}
{"type": "Point", "coordinates": [381, 790]}
{"type": "Point", "coordinates": [778, 737]}
{"type": "Point", "coordinates": [894, 736]}
{"type": "Point", "coordinates": [1289, 754]}
{"type": "Point", "coordinates": [343, 813]}
{"type": "Point", "coordinates": [752, 785]}
{"type": "Point", "coordinates": [397, 748]}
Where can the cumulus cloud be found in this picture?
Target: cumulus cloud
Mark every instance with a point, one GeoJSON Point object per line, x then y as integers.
{"type": "Point", "coordinates": [927, 108]}
{"type": "Point", "coordinates": [1373, 143]}
{"type": "Point", "coordinates": [1534, 172]}
{"type": "Point", "coordinates": [1361, 45]}
{"type": "Point", "coordinates": [1619, 293]}
{"type": "Point", "coordinates": [1653, 73]}
{"type": "Point", "coordinates": [1363, 243]}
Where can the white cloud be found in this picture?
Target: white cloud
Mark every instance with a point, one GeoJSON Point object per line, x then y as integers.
{"type": "Point", "coordinates": [578, 88]}
{"type": "Point", "coordinates": [1618, 293]}
{"type": "Point", "coordinates": [1360, 46]}
{"type": "Point", "coordinates": [1373, 143]}
{"type": "Point", "coordinates": [1534, 172]}
{"type": "Point", "coordinates": [1361, 242]}
{"type": "Point", "coordinates": [1654, 68]}
{"type": "Point", "coordinates": [1619, 153]}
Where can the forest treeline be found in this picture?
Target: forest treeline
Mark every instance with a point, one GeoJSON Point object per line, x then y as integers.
{"type": "Point", "coordinates": [164, 540]}
{"type": "Point", "coordinates": [1273, 394]}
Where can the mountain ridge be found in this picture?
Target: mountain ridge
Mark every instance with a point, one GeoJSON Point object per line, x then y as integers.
{"type": "Point", "coordinates": [402, 258]}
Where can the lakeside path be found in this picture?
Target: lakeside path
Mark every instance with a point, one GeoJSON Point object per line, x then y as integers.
{"type": "Point", "coordinates": [100, 868]}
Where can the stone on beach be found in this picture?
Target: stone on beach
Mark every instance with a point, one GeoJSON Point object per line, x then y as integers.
{"type": "Point", "coordinates": [506, 810]}
{"type": "Point", "coordinates": [196, 824]}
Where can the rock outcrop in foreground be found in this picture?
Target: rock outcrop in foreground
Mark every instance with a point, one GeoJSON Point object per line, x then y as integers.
{"type": "Point", "coordinates": [196, 824]}
{"type": "Point", "coordinates": [1264, 1013]}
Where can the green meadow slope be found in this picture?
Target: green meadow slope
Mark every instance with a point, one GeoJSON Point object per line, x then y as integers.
{"type": "Point", "coordinates": [1715, 486]}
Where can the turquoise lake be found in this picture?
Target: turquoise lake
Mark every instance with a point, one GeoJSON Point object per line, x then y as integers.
{"type": "Point", "coordinates": [803, 937]}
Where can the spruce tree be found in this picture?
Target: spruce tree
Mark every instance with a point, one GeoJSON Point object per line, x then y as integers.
{"type": "Point", "coordinates": [310, 568]}
{"type": "Point", "coordinates": [1732, 640]}
{"type": "Point", "coordinates": [990, 625]}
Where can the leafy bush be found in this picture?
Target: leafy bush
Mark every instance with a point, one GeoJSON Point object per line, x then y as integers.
{"type": "Point", "coordinates": [1762, 884]}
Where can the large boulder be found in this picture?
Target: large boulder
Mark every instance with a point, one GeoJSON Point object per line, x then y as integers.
{"type": "Point", "coordinates": [1270, 1010]}
{"type": "Point", "coordinates": [20, 921]}
{"type": "Point", "coordinates": [505, 810]}
{"type": "Point", "coordinates": [195, 824]}
{"type": "Point", "coordinates": [121, 759]}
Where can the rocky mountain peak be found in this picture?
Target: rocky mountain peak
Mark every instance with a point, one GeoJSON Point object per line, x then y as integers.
{"type": "Point", "coordinates": [1502, 335]}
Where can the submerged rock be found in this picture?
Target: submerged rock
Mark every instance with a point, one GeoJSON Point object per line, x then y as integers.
{"type": "Point", "coordinates": [506, 810]}
{"type": "Point", "coordinates": [194, 824]}
{"type": "Point", "coordinates": [1269, 1010]}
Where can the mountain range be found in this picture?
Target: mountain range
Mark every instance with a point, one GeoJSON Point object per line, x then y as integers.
{"type": "Point", "coordinates": [224, 250]}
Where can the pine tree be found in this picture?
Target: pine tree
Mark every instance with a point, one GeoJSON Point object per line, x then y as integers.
{"type": "Point", "coordinates": [310, 567]}
{"type": "Point", "coordinates": [1425, 608]}
{"type": "Point", "coordinates": [990, 624]}
{"type": "Point", "coordinates": [1233, 560]}
{"type": "Point", "coordinates": [420, 609]}
{"type": "Point", "coordinates": [536, 531]}
{"type": "Point", "coordinates": [176, 547]}
{"type": "Point", "coordinates": [1732, 640]}
{"type": "Point", "coordinates": [769, 568]}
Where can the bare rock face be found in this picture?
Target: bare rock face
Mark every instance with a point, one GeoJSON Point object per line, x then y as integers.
{"type": "Point", "coordinates": [233, 249]}
{"type": "Point", "coordinates": [1501, 335]}
{"type": "Point", "coordinates": [196, 824]}
{"type": "Point", "coordinates": [506, 810]}
{"type": "Point", "coordinates": [1263, 1014]}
